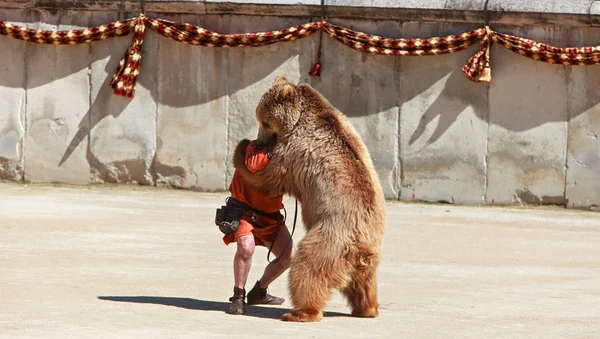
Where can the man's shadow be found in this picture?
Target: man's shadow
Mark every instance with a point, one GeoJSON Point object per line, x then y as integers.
{"type": "Point", "coordinates": [206, 305]}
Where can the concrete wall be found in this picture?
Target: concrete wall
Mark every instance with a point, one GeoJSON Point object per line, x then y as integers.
{"type": "Point", "coordinates": [531, 136]}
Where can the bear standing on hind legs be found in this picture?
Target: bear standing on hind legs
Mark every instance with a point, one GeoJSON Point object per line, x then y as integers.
{"type": "Point", "coordinates": [319, 158]}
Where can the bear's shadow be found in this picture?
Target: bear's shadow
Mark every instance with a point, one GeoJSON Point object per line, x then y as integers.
{"type": "Point", "coordinates": [207, 305]}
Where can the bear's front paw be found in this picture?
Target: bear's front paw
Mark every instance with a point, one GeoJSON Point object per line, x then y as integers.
{"type": "Point", "coordinates": [239, 156]}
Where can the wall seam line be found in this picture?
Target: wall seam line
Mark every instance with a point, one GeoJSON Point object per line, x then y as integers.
{"type": "Point", "coordinates": [89, 122]}
{"type": "Point", "coordinates": [226, 57]}
{"type": "Point", "coordinates": [152, 168]}
{"type": "Point", "coordinates": [487, 148]}
{"type": "Point", "coordinates": [25, 99]}
{"type": "Point", "coordinates": [400, 162]}
{"type": "Point", "coordinates": [568, 71]}
{"type": "Point", "coordinates": [228, 158]}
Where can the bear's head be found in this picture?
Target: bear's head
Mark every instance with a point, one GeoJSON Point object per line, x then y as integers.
{"type": "Point", "coordinates": [278, 110]}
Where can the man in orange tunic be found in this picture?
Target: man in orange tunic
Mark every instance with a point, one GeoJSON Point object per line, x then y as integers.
{"type": "Point", "coordinates": [256, 228]}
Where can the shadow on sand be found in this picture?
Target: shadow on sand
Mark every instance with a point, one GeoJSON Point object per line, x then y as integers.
{"type": "Point", "coordinates": [206, 305]}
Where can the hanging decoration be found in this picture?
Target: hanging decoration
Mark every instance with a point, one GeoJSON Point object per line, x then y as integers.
{"type": "Point", "coordinates": [477, 68]}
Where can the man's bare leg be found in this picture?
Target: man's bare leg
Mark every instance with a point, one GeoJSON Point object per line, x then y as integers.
{"type": "Point", "coordinates": [283, 254]}
{"type": "Point", "coordinates": [241, 267]}
{"type": "Point", "coordinates": [243, 260]}
{"type": "Point", "coordinates": [258, 294]}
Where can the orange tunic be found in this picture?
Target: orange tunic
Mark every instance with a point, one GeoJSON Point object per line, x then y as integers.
{"type": "Point", "coordinates": [264, 228]}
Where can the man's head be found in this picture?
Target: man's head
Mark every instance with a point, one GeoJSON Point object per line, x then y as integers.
{"type": "Point", "coordinates": [278, 111]}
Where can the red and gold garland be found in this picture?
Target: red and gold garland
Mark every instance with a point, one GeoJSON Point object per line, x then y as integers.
{"type": "Point", "coordinates": [405, 47]}
{"type": "Point", "coordinates": [476, 69]}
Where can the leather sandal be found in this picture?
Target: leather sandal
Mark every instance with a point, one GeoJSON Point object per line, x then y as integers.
{"type": "Point", "coordinates": [238, 306]}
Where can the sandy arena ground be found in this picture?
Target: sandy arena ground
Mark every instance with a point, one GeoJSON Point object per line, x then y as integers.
{"type": "Point", "coordinates": [130, 262]}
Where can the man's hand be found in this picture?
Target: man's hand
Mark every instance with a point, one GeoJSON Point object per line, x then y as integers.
{"type": "Point", "coordinates": [239, 156]}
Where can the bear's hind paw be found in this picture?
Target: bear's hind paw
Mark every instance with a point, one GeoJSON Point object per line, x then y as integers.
{"type": "Point", "coordinates": [302, 316]}
{"type": "Point", "coordinates": [366, 313]}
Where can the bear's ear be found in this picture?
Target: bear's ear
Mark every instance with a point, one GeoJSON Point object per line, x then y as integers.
{"type": "Point", "coordinates": [287, 92]}
{"type": "Point", "coordinates": [280, 78]}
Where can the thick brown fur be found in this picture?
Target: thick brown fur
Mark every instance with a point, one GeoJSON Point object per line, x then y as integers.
{"type": "Point", "coordinates": [319, 158]}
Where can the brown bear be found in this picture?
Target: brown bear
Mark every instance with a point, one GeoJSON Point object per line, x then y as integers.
{"type": "Point", "coordinates": [319, 158]}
